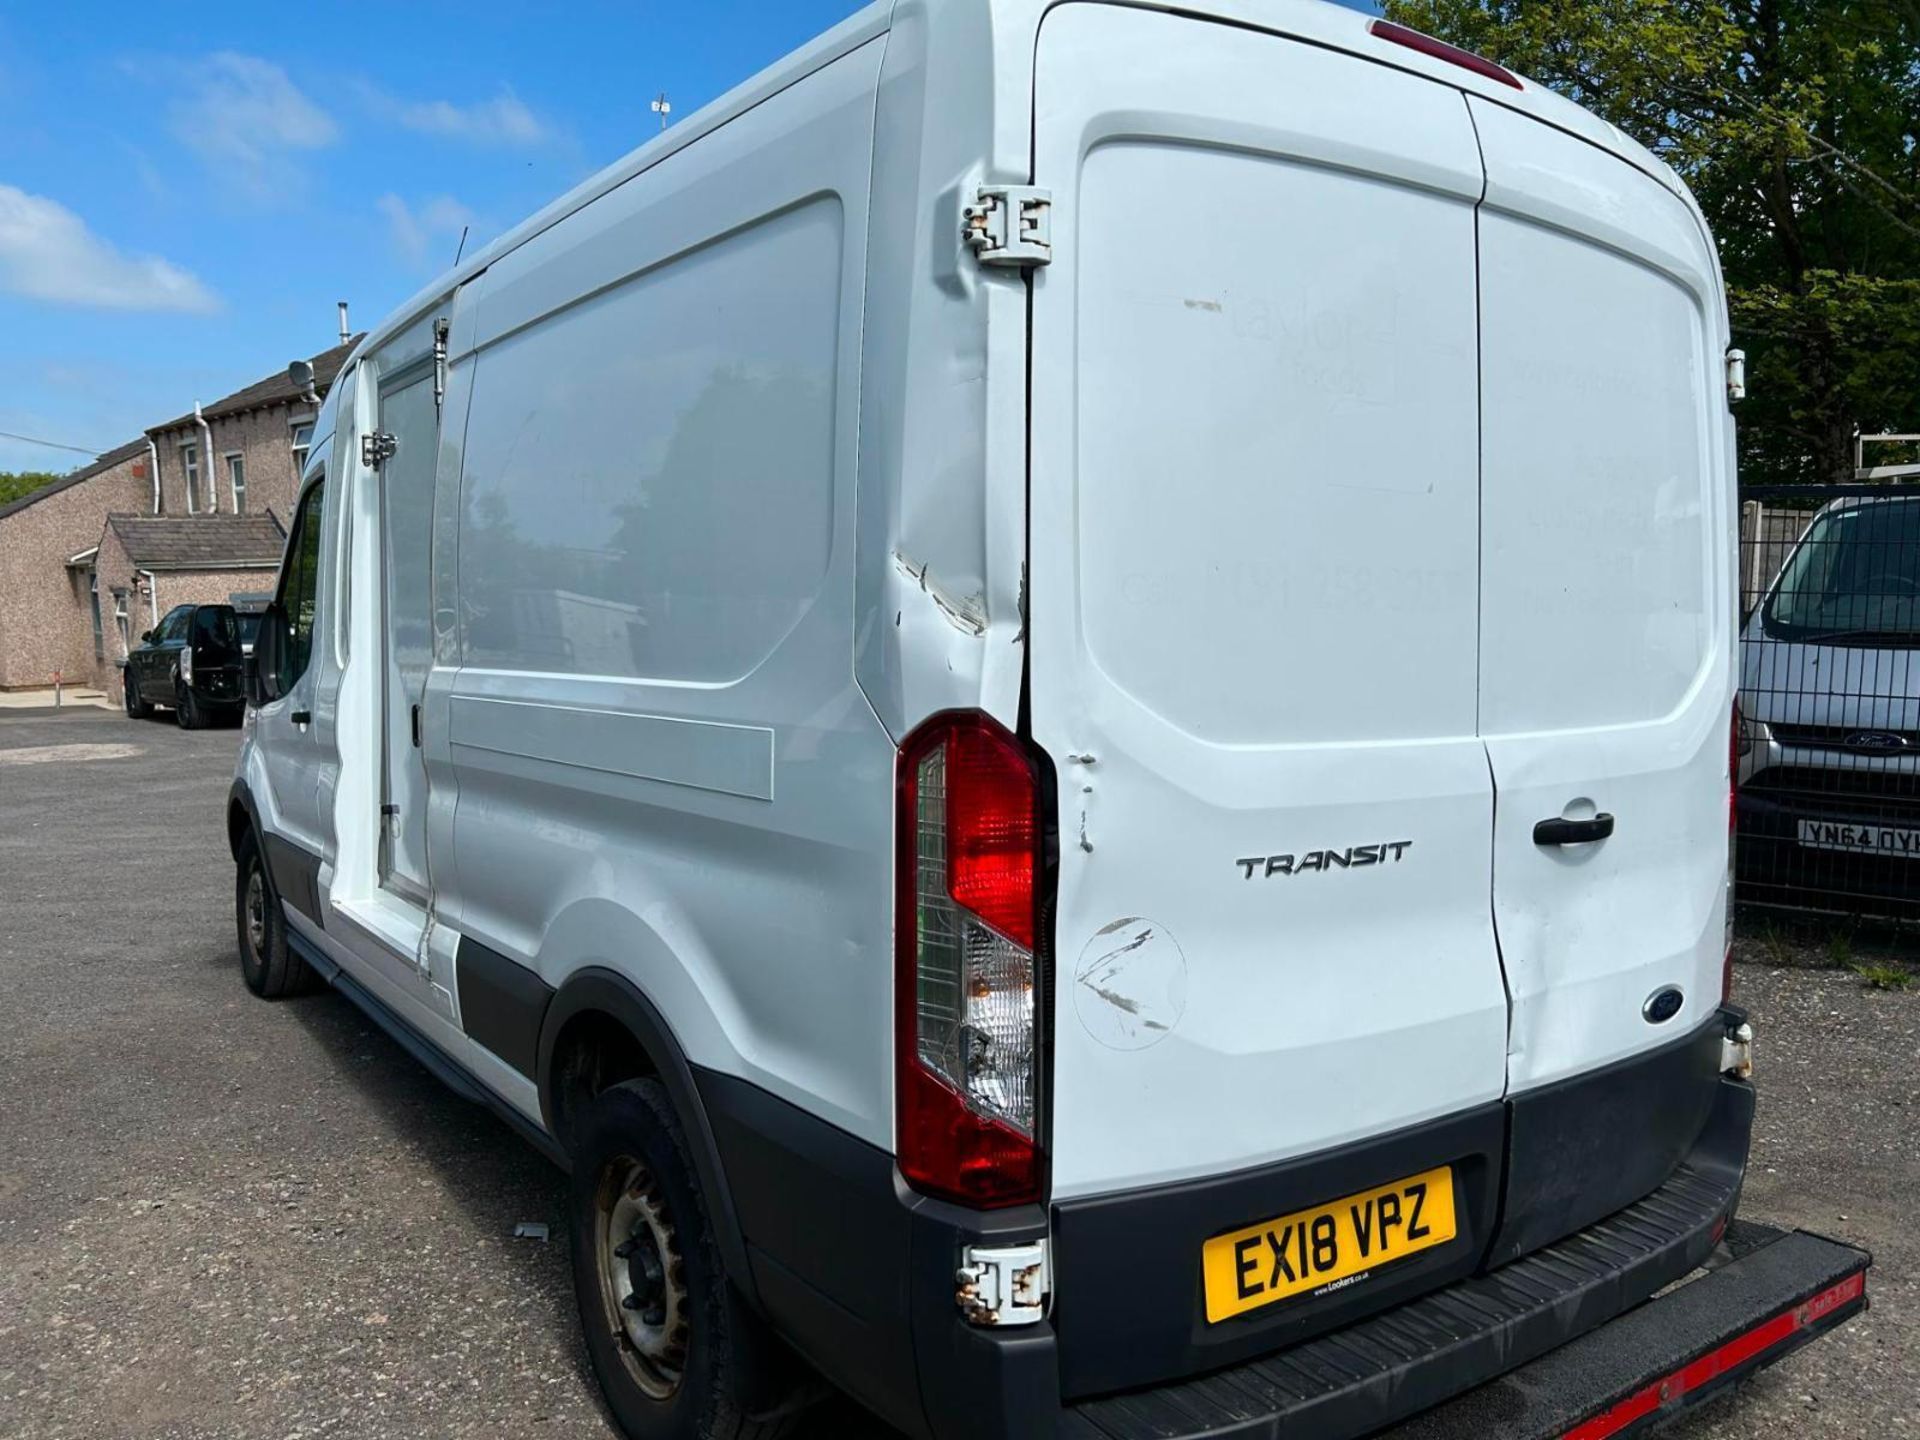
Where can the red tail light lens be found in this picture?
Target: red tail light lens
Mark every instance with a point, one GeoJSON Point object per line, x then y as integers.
{"type": "Point", "coordinates": [1440, 50]}
{"type": "Point", "coordinates": [992, 829]}
{"type": "Point", "coordinates": [968, 839]}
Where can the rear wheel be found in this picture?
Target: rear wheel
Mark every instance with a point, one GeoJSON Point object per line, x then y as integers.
{"type": "Point", "coordinates": [678, 1354]}
{"type": "Point", "coordinates": [267, 963]}
{"type": "Point", "coordinates": [186, 708]}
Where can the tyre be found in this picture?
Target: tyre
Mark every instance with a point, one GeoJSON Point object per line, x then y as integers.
{"type": "Point", "coordinates": [187, 708]}
{"type": "Point", "coordinates": [267, 963]}
{"type": "Point", "coordinates": [137, 709]}
{"type": "Point", "coordinates": [678, 1354]}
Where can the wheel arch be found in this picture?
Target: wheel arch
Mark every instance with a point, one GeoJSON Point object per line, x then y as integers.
{"type": "Point", "coordinates": [242, 816]}
{"type": "Point", "coordinates": [599, 1008]}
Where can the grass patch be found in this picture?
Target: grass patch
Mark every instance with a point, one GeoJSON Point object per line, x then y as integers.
{"type": "Point", "coordinates": [1840, 950]}
{"type": "Point", "coordinates": [1774, 945]}
{"type": "Point", "coordinates": [1884, 977]}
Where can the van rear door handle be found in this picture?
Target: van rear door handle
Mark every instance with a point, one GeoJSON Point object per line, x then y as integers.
{"type": "Point", "coordinates": [1561, 831]}
{"type": "Point", "coordinates": [305, 717]}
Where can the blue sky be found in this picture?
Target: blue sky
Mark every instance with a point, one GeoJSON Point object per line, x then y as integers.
{"type": "Point", "coordinates": [186, 190]}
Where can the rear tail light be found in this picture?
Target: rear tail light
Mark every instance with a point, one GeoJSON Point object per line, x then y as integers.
{"type": "Point", "coordinates": [186, 663]}
{"type": "Point", "coordinates": [967, 870]}
{"type": "Point", "coordinates": [1440, 50]}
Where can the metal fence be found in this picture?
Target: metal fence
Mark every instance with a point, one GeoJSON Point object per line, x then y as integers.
{"type": "Point", "coordinates": [1829, 741]}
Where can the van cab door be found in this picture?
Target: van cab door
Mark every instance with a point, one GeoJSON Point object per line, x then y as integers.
{"type": "Point", "coordinates": [284, 734]}
{"type": "Point", "coordinates": [1254, 601]}
{"type": "Point", "coordinates": [1606, 625]}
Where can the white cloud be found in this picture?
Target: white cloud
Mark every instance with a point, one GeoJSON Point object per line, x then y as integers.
{"type": "Point", "coordinates": [437, 222]}
{"type": "Point", "coordinates": [244, 118]}
{"type": "Point", "coordinates": [502, 121]}
{"type": "Point", "coordinates": [48, 253]}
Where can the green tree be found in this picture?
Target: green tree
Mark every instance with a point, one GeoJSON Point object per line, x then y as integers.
{"type": "Point", "coordinates": [15, 483]}
{"type": "Point", "coordinates": [1797, 125]}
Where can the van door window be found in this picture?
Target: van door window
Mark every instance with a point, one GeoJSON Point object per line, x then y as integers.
{"type": "Point", "coordinates": [299, 586]}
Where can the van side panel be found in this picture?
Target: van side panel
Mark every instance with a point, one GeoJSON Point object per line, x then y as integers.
{"type": "Point", "coordinates": [664, 765]}
{"type": "Point", "coordinates": [943, 417]}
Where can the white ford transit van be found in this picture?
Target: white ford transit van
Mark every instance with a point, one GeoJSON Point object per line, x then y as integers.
{"type": "Point", "coordinates": [1052, 694]}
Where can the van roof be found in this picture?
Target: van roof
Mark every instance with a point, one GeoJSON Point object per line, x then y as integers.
{"type": "Point", "coordinates": [1317, 22]}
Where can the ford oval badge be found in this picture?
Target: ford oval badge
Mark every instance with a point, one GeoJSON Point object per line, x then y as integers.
{"type": "Point", "coordinates": [1663, 1005]}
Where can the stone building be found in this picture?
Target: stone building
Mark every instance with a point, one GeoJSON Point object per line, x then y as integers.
{"type": "Point", "coordinates": [52, 621]}
{"type": "Point", "coordinates": [195, 510]}
{"type": "Point", "coordinates": [147, 564]}
{"type": "Point", "coordinates": [243, 453]}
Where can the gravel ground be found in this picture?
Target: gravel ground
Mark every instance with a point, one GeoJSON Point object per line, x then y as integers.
{"type": "Point", "coordinates": [220, 1217]}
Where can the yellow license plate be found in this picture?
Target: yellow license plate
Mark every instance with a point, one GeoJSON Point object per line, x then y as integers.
{"type": "Point", "coordinates": [1328, 1247]}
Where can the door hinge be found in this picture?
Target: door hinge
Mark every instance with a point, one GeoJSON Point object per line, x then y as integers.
{"type": "Point", "coordinates": [377, 447]}
{"type": "Point", "coordinates": [1003, 1285]}
{"type": "Point", "coordinates": [1736, 375]}
{"type": "Point", "coordinates": [1009, 225]}
{"type": "Point", "coordinates": [441, 328]}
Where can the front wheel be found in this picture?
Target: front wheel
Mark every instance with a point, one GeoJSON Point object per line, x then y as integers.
{"type": "Point", "coordinates": [137, 708]}
{"type": "Point", "coordinates": [267, 963]}
{"type": "Point", "coordinates": [678, 1354]}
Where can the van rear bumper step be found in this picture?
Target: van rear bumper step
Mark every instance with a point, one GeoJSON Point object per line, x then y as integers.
{"type": "Point", "coordinates": [1625, 1377]}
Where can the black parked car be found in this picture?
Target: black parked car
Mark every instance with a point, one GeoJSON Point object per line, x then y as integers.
{"type": "Point", "coordinates": [191, 662]}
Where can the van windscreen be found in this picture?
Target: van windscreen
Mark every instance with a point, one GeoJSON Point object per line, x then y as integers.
{"type": "Point", "coordinates": [1855, 576]}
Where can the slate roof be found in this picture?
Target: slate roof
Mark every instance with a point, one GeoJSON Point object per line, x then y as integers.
{"type": "Point", "coordinates": [274, 390]}
{"type": "Point", "coordinates": [84, 473]}
{"type": "Point", "coordinates": [200, 542]}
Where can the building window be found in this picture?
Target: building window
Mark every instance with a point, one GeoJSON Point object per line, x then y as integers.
{"type": "Point", "coordinates": [237, 481]}
{"type": "Point", "coordinates": [190, 463]}
{"type": "Point", "coordinates": [99, 630]}
{"type": "Point", "coordinates": [302, 442]}
{"type": "Point", "coordinates": [121, 620]}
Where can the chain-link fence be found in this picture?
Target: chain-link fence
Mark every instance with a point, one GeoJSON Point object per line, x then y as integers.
{"type": "Point", "coordinates": [1829, 803]}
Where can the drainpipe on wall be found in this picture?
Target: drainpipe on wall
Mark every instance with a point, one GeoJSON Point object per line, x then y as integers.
{"type": "Point", "coordinates": [153, 459]}
{"type": "Point", "coordinates": [206, 460]}
{"type": "Point", "coordinates": [153, 598]}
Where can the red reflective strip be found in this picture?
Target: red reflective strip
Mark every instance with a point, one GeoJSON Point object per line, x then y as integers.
{"type": "Point", "coordinates": [1715, 1363]}
{"type": "Point", "coordinates": [1441, 50]}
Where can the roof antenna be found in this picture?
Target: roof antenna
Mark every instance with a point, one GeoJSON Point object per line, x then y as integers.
{"type": "Point", "coordinates": [463, 244]}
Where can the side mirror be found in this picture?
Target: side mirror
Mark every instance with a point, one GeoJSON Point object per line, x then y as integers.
{"type": "Point", "coordinates": [263, 666]}
{"type": "Point", "coordinates": [146, 637]}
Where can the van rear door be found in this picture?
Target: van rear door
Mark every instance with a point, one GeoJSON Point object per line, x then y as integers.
{"type": "Point", "coordinates": [1254, 600]}
{"type": "Point", "coordinates": [1606, 599]}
